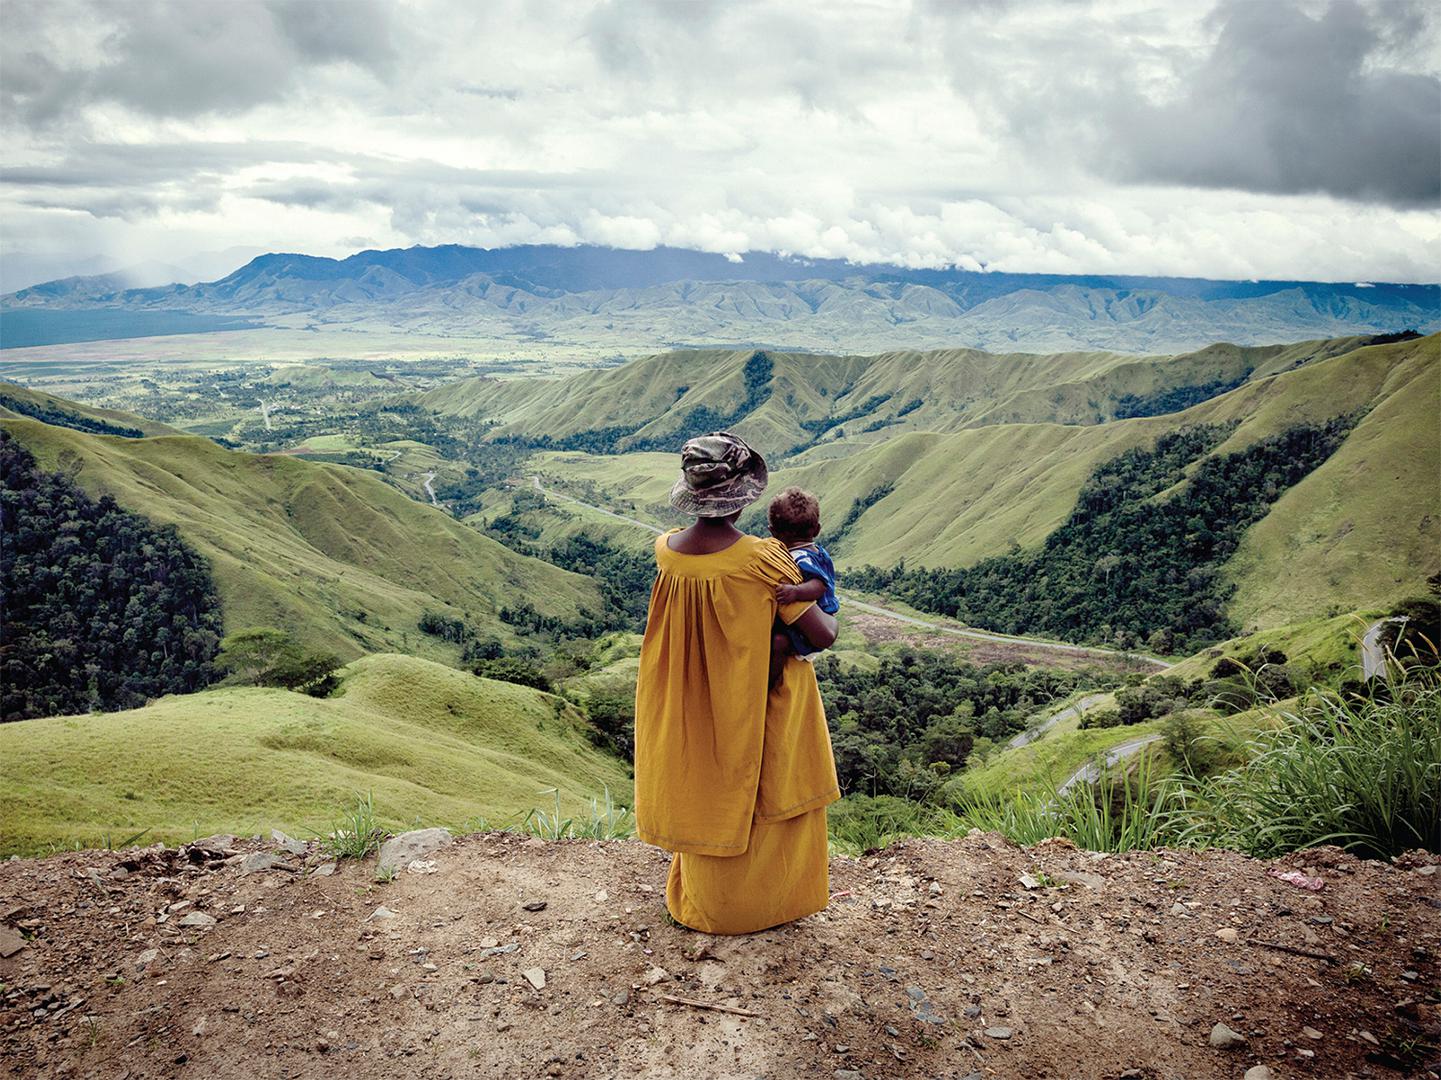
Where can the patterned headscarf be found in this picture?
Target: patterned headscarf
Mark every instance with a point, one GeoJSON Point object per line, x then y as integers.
{"type": "Point", "coordinates": [720, 474]}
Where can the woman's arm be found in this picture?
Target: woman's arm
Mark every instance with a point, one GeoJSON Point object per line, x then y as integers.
{"type": "Point", "coordinates": [818, 627]}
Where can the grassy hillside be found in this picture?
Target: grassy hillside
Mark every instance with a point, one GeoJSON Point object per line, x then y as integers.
{"type": "Point", "coordinates": [21, 403]}
{"type": "Point", "coordinates": [332, 554]}
{"type": "Point", "coordinates": [825, 406]}
{"type": "Point", "coordinates": [434, 745]}
{"type": "Point", "coordinates": [1363, 529]}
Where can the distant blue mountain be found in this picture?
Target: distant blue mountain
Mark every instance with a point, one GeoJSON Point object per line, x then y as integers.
{"type": "Point", "coordinates": [667, 296]}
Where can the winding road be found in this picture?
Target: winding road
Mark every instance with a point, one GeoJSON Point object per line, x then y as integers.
{"type": "Point", "coordinates": [1373, 653]}
{"type": "Point", "coordinates": [1091, 772]}
{"type": "Point", "coordinates": [429, 479]}
{"type": "Point", "coordinates": [1032, 734]}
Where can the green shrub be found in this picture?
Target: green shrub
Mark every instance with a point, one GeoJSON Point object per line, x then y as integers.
{"type": "Point", "coordinates": [513, 670]}
{"type": "Point", "coordinates": [266, 657]}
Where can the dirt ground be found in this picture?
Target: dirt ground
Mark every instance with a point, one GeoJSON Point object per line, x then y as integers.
{"type": "Point", "coordinates": [934, 959]}
{"type": "Point", "coordinates": [881, 631]}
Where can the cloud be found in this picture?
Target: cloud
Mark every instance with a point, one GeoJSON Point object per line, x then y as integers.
{"type": "Point", "coordinates": [1288, 103]}
{"type": "Point", "coordinates": [1250, 140]}
{"type": "Point", "coordinates": [174, 58]}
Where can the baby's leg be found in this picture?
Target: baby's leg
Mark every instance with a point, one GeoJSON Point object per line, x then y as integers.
{"type": "Point", "coordinates": [780, 649]}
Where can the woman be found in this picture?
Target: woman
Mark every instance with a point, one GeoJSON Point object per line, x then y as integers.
{"type": "Point", "coordinates": [730, 777]}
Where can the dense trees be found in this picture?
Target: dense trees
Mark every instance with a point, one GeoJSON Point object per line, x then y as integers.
{"type": "Point", "coordinates": [899, 728]}
{"type": "Point", "coordinates": [1139, 559]}
{"type": "Point", "coordinates": [266, 657]}
{"type": "Point", "coordinates": [101, 608]}
{"type": "Point", "coordinates": [65, 418]}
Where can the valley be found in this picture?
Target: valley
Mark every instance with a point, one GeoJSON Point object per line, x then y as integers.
{"type": "Point", "coordinates": [480, 517]}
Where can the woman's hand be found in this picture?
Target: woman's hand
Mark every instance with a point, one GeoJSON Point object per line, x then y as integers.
{"type": "Point", "coordinates": [819, 628]}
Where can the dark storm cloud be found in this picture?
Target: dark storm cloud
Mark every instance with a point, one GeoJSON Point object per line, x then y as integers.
{"type": "Point", "coordinates": [179, 58]}
{"type": "Point", "coordinates": [1287, 103]}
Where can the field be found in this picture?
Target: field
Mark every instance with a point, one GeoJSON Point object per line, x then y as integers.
{"type": "Point", "coordinates": [433, 745]}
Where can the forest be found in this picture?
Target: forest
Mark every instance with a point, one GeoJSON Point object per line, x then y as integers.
{"type": "Point", "coordinates": [920, 714]}
{"type": "Point", "coordinates": [102, 610]}
{"type": "Point", "coordinates": [1138, 561]}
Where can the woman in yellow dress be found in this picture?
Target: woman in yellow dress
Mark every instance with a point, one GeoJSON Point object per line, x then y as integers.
{"type": "Point", "coordinates": [731, 776]}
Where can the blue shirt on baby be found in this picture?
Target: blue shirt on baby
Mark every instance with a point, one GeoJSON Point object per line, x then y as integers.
{"type": "Point", "coordinates": [815, 562]}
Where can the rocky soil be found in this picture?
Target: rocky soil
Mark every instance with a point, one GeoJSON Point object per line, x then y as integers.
{"type": "Point", "coordinates": [498, 955]}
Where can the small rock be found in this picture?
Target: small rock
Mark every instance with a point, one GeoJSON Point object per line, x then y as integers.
{"type": "Point", "coordinates": [601, 896]}
{"type": "Point", "coordinates": [287, 843]}
{"type": "Point", "coordinates": [935, 888]}
{"type": "Point", "coordinates": [199, 1029]}
{"type": "Point", "coordinates": [1369, 1038]}
{"type": "Point", "coordinates": [323, 870]}
{"type": "Point", "coordinates": [998, 1033]}
{"type": "Point", "coordinates": [10, 942]}
{"type": "Point", "coordinates": [488, 942]}
{"type": "Point", "coordinates": [535, 905]}
{"type": "Point", "coordinates": [622, 998]}
{"type": "Point", "coordinates": [220, 844]}
{"type": "Point", "coordinates": [397, 991]}
{"type": "Point", "coordinates": [972, 1011]}
{"type": "Point", "coordinates": [148, 957]}
{"type": "Point", "coordinates": [1223, 1038]}
{"type": "Point", "coordinates": [198, 918]}
{"type": "Point", "coordinates": [258, 861]}
{"type": "Point", "coordinates": [381, 912]}
{"type": "Point", "coordinates": [1228, 935]}
{"type": "Point", "coordinates": [1259, 1072]}
{"type": "Point", "coordinates": [841, 1048]}
{"type": "Point", "coordinates": [655, 975]}
{"type": "Point", "coordinates": [1411, 976]}
{"type": "Point", "coordinates": [848, 1074]}
{"type": "Point", "coordinates": [535, 976]}
{"type": "Point", "coordinates": [401, 850]}
{"type": "Point", "coordinates": [1311, 1033]}
{"type": "Point", "coordinates": [422, 866]}
{"type": "Point", "coordinates": [485, 954]}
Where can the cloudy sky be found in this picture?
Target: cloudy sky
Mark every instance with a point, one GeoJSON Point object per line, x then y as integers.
{"type": "Point", "coordinates": [1252, 138]}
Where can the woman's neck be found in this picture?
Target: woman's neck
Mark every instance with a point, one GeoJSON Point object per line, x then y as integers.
{"type": "Point", "coordinates": [707, 535]}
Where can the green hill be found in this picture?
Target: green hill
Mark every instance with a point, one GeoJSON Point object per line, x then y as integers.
{"type": "Point", "coordinates": [1361, 530]}
{"type": "Point", "coordinates": [823, 406]}
{"type": "Point", "coordinates": [21, 403]}
{"type": "Point", "coordinates": [433, 744]}
{"type": "Point", "coordinates": [332, 554]}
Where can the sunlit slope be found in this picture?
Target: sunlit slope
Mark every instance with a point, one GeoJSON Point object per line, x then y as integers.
{"type": "Point", "coordinates": [332, 554]}
{"type": "Point", "coordinates": [1365, 528]}
{"type": "Point", "coordinates": [824, 406]}
{"type": "Point", "coordinates": [20, 403]}
{"type": "Point", "coordinates": [958, 498]}
{"type": "Point", "coordinates": [433, 744]}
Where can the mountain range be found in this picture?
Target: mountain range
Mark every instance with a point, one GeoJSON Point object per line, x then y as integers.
{"type": "Point", "coordinates": [669, 297]}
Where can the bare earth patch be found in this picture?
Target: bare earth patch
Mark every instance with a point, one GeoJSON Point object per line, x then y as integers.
{"type": "Point", "coordinates": [503, 956]}
{"type": "Point", "coordinates": [878, 630]}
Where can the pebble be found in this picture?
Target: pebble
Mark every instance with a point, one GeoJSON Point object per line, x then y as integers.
{"type": "Point", "coordinates": [655, 975]}
{"type": "Point", "coordinates": [397, 991]}
{"type": "Point", "coordinates": [998, 1033]}
{"type": "Point", "coordinates": [1228, 935]}
{"type": "Point", "coordinates": [972, 1011]}
{"type": "Point", "coordinates": [381, 912]}
{"type": "Point", "coordinates": [1223, 1038]}
{"type": "Point", "coordinates": [535, 976]}
{"type": "Point", "coordinates": [198, 918]}
{"type": "Point", "coordinates": [1311, 1033]}
{"type": "Point", "coordinates": [1259, 1072]}
{"type": "Point", "coordinates": [488, 942]}
{"type": "Point", "coordinates": [535, 905]}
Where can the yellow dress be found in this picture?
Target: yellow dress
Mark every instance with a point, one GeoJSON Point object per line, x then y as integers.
{"type": "Point", "coordinates": [730, 777]}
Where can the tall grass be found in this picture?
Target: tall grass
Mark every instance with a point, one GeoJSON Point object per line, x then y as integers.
{"type": "Point", "coordinates": [1360, 772]}
{"type": "Point", "coordinates": [606, 821]}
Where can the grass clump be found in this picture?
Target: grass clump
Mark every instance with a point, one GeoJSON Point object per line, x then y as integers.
{"type": "Point", "coordinates": [605, 821]}
{"type": "Point", "coordinates": [356, 833]}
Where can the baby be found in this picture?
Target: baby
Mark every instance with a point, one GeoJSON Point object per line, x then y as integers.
{"type": "Point", "coordinates": [795, 520]}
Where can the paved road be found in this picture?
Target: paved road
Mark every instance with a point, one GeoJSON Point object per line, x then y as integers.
{"type": "Point", "coordinates": [430, 490]}
{"type": "Point", "coordinates": [886, 613]}
{"type": "Point", "coordinates": [1373, 653]}
{"type": "Point", "coordinates": [1051, 721]}
{"type": "Point", "coordinates": [1090, 773]}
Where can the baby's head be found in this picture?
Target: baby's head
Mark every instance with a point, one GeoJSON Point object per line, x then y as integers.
{"type": "Point", "coordinates": [795, 516]}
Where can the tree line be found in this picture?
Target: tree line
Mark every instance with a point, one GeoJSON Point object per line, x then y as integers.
{"type": "Point", "coordinates": [1130, 567]}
